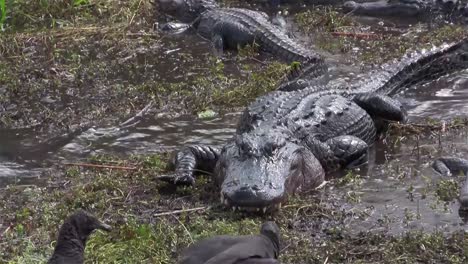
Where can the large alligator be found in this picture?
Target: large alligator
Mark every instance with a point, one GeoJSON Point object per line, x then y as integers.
{"type": "Point", "coordinates": [409, 8]}
{"type": "Point", "coordinates": [230, 28]}
{"type": "Point", "coordinates": [286, 141]}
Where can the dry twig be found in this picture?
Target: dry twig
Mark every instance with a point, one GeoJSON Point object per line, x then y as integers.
{"type": "Point", "coordinates": [181, 211]}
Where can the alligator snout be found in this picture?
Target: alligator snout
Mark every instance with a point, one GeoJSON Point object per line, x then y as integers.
{"type": "Point", "coordinates": [254, 198]}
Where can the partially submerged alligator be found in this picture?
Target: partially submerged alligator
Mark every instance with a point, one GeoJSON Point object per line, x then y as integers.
{"type": "Point", "coordinates": [409, 8]}
{"type": "Point", "coordinates": [286, 141]}
{"type": "Point", "coordinates": [230, 28]}
{"type": "Point", "coordinates": [449, 166]}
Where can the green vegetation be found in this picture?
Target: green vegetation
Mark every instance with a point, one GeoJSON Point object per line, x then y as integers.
{"type": "Point", "coordinates": [314, 228]}
{"type": "Point", "coordinates": [447, 190]}
{"type": "Point", "coordinates": [2, 12]}
{"type": "Point", "coordinates": [336, 32]}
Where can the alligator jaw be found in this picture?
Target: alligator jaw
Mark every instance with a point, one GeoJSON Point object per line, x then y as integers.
{"type": "Point", "coordinates": [251, 209]}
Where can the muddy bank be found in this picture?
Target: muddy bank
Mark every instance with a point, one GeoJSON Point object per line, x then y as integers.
{"type": "Point", "coordinates": [385, 211]}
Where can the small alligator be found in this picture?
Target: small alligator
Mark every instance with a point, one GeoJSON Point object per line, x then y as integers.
{"type": "Point", "coordinates": [286, 141]}
{"type": "Point", "coordinates": [409, 8]}
{"type": "Point", "coordinates": [448, 166]}
{"type": "Point", "coordinates": [230, 28]}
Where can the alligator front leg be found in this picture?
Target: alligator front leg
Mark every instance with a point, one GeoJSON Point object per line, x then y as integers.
{"type": "Point", "coordinates": [448, 166]}
{"type": "Point", "coordinates": [231, 35]}
{"type": "Point", "coordinates": [192, 159]}
{"type": "Point", "coordinates": [339, 152]}
{"type": "Point", "coordinates": [381, 106]}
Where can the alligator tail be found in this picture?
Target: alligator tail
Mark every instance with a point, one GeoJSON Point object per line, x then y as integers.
{"type": "Point", "coordinates": [416, 68]}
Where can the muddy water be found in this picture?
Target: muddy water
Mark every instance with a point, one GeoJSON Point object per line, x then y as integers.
{"type": "Point", "coordinates": [397, 190]}
{"type": "Point", "coordinates": [398, 187]}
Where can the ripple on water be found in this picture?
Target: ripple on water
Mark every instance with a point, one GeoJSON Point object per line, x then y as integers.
{"type": "Point", "coordinates": [445, 98]}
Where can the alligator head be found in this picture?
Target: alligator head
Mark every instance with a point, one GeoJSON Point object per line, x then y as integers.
{"type": "Point", "coordinates": [185, 11]}
{"type": "Point", "coordinates": [258, 170]}
{"type": "Point", "coordinates": [400, 8]}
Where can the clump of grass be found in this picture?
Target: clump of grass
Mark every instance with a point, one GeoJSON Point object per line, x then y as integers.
{"type": "Point", "coordinates": [380, 46]}
{"type": "Point", "coordinates": [220, 91]}
{"type": "Point", "coordinates": [447, 190]}
{"type": "Point", "coordinates": [36, 15]}
{"type": "Point", "coordinates": [351, 178]}
{"type": "Point", "coordinates": [2, 12]}
{"type": "Point", "coordinates": [323, 19]}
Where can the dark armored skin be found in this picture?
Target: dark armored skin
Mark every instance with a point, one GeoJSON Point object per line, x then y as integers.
{"type": "Point", "coordinates": [409, 8]}
{"type": "Point", "coordinates": [286, 141]}
{"type": "Point", "coordinates": [72, 238]}
{"type": "Point", "coordinates": [262, 248]}
{"type": "Point", "coordinates": [449, 166]}
{"type": "Point", "coordinates": [229, 28]}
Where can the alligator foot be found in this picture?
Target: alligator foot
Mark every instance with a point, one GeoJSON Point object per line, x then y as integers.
{"type": "Point", "coordinates": [381, 106]}
{"type": "Point", "coordinates": [190, 160]}
{"type": "Point", "coordinates": [230, 36]}
{"type": "Point", "coordinates": [218, 45]}
{"type": "Point", "coordinates": [448, 166]}
{"type": "Point", "coordinates": [174, 27]}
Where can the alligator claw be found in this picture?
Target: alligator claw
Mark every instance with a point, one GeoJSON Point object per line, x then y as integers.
{"type": "Point", "coordinates": [177, 179]}
{"type": "Point", "coordinates": [184, 180]}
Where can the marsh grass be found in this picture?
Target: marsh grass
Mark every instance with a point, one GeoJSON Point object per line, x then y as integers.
{"type": "Point", "coordinates": [322, 22]}
{"type": "Point", "coordinates": [2, 12]}
{"type": "Point", "coordinates": [314, 228]}
{"type": "Point", "coordinates": [23, 15]}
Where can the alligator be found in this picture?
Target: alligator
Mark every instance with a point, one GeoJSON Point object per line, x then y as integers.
{"type": "Point", "coordinates": [230, 28]}
{"type": "Point", "coordinates": [287, 141]}
{"type": "Point", "coordinates": [255, 249]}
{"type": "Point", "coordinates": [410, 8]}
{"type": "Point", "coordinates": [449, 166]}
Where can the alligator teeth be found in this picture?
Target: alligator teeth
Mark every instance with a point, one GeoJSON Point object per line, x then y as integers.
{"type": "Point", "coordinates": [233, 208]}
{"type": "Point", "coordinates": [264, 209]}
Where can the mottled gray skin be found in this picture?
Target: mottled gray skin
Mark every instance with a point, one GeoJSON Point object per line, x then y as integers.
{"type": "Point", "coordinates": [262, 248]}
{"type": "Point", "coordinates": [409, 8]}
{"type": "Point", "coordinates": [286, 141]}
{"type": "Point", "coordinates": [449, 166]}
{"type": "Point", "coordinates": [230, 28]}
{"type": "Point", "coordinates": [72, 238]}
